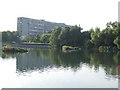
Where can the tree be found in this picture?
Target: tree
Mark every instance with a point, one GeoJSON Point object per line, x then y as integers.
{"type": "Point", "coordinates": [88, 44]}
{"type": "Point", "coordinates": [95, 37]}
{"type": "Point", "coordinates": [85, 37]}
{"type": "Point", "coordinates": [8, 36]}
{"type": "Point", "coordinates": [64, 36]}
{"type": "Point", "coordinates": [26, 38]}
{"type": "Point", "coordinates": [45, 38]}
{"type": "Point", "coordinates": [4, 37]}
{"type": "Point", "coordinates": [54, 36]}
{"type": "Point", "coordinates": [75, 34]}
{"type": "Point", "coordinates": [70, 36]}
{"type": "Point", "coordinates": [36, 38]}
{"type": "Point", "coordinates": [117, 42]}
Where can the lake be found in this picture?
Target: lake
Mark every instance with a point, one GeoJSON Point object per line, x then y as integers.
{"type": "Point", "coordinates": [53, 68]}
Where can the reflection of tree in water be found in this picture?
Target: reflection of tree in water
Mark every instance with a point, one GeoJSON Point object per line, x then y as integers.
{"type": "Point", "coordinates": [107, 60]}
{"type": "Point", "coordinates": [9, 55]}
{"type": "Point", "coordinates": [31, 61]}
{"type": "Point", "coordinates": [72, 59]}
{"type": "Point", "coordinates": [43, 58]}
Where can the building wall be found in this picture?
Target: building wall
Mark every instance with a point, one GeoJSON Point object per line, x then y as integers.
{"type": "Point", "coordinates": [28, 26]}
{"type": "Point", "coordinates": [22, 26]}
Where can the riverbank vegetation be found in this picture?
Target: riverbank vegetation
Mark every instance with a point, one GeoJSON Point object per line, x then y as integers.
{"type": "Point", "coordinates": [70, 48]}
{"type": "Point", "coordinates": [9, 37]}
{"type": "Point", "coordinates": [106, 39]}
{"type": "Point", "coordinates": [13, 49]}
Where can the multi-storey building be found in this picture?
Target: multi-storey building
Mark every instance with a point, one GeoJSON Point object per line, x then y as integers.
{"type": "Point", "coordinates": [28, 26]}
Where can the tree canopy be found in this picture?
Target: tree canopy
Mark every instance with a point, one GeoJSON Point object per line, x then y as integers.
{"type": "Point", "coordinates": [73, 36]}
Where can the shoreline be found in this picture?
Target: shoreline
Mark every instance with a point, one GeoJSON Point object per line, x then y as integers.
{"type": "Point", "coordinates": [30, 45]}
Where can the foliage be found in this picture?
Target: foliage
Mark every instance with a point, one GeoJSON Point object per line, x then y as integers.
{"type": "Point", "coordinates": [65, 48]}
{"type": "Point", "coordinates": [117, 42]}
{"type": "Point", "coordinates": [36, 38]}
{"type": "Point", "coordinates": [54, 40]}
{"type": "Point", "coordinates": [13, 49]}
{"type": "Point", "coordinates": [107, 36]}
{"type": "Point", "coordinates": [95, 37]}
{"type": "Point", "coordinates": [86, 38]}
{"type": "Point", "coordinates": [70, 36]}
{"type": "Point", "coordinates": [89, 44]}
{"type": "Point", "coordinates": [26, 38]}
{"type": "Point", "coordinates": [45, 38]}
{"type": "Point", "coordinates": [8, 36]}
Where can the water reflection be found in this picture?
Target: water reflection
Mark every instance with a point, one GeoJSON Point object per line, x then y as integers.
{"type": "Point", "coordinates": [47, 58]}
{"type": "Point", "coordinates": [32, 61]}
{"type": "Point", "coordinates": [8, 55]}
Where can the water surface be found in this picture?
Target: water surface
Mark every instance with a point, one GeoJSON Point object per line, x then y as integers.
{"type": "Point", "coordinates": [51, 68]}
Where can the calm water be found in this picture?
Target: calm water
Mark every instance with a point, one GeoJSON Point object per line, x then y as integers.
{"type": "Point", "coordinates": [50, 68]}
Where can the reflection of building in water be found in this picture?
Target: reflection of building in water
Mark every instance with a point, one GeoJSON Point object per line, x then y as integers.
{"type": "Point", "coordinates": [30, 61]}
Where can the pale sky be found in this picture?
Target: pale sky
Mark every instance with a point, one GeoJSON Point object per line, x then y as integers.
{"type": "Point", "coordinates": [87, 13]}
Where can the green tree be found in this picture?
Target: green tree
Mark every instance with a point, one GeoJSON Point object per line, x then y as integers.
{"type": "Point", "coordinates": [8, 36]}
{"type": "Point", "coordinates": [54, 36]}
{"type": "Point", "coordinates": [70, 36]}
{"type": "Point", "coordinates": [45, 38]}
{"type": "Point", "coordinates": [64, 36]}
{"type": "Point", "coordinates": [109, 37]}
{"type": "Point", "coordinates": [36, 38]}
{"type": "Point", "coordinates": [88, 44]}
{"type": "Point", "coordinates": [75, 34]}
{"type": "Point", "coordinates": [85, 39]}
{"type": "Point", "coordinates": [26, 38]}
{"type": "Point", "coordinates": [117, 42]}
{"type": "Point", "coordinates": [95, 37]}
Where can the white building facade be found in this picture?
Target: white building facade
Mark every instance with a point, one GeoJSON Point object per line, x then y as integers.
{"type": "Point", "coordinates": [28, 26]}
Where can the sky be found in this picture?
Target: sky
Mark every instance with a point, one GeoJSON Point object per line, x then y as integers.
{"type": "Point", "coordinates": [87, 13]}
